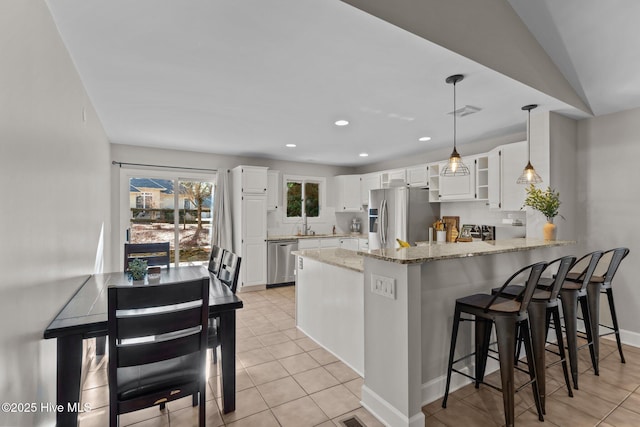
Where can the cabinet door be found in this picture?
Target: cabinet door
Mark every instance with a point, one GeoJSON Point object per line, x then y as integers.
{"type": "Point", "coordinates": [459, 187]}
{"type": "Point", "coordinates": [349, 243]}
{"type": "Point", "coordinates": [363, 244]}
{"type": "Point", "coordinates": [273, 190]}
{"type": "Point", "coordinates": [308, 244]}
{"type": "Point", "coordinates": [494, 179]}
{"type": "Point", "coordinates": [331, 242]}
{"type": "Point", "coordinates": [254, 180]}
{"type": "Point", "coordinates": [349, 193]}
{"type": "Point", "coordinates": [513, 161]}
{"type": "Point", "coordinates": [417, 176]}
{"type": "Point", "coordinates": [370, 181]}
{"type": "Point", "coordinates": [254, 240]}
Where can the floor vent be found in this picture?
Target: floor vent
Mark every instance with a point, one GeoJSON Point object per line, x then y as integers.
{"type": "Point", "coordinates": [352, 422]}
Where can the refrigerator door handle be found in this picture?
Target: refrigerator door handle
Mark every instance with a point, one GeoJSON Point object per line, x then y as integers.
{"type": "Point", "coordinates": [384, 222]}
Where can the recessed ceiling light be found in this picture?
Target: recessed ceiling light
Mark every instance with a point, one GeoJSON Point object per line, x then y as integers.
{"type": "Point", "coordinates": [290, 145]}
{"type": "Point", "coordinates": [364, 155]}
{"type": "Point", "coordinates": [341, 122]}
{"type": "Point", "coordinates": [424, 138]}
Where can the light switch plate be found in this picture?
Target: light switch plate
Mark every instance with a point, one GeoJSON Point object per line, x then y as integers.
{"type": "Point", "coordinates": [385, 286]}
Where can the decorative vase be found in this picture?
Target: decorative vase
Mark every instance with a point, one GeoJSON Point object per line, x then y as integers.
{"type": "Point", "coordinates": [549, 230]}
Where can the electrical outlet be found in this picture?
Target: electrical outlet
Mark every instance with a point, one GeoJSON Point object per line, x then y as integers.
{"type": "Point", "coordinates": [385, 286]}
{"type": "Point", "coordinates": [300, 263]}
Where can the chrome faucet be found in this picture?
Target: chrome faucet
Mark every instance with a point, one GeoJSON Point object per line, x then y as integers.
{"type": "Point", "coordinates": [306, 230]}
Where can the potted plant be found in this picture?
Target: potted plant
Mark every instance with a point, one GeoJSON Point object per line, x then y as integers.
{"type": "Point", "coordinates": [137, 269]}
{"type": "Point", "coordinates": [546, 201]}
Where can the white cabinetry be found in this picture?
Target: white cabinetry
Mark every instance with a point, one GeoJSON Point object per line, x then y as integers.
{"type": "Point", "coordinates": [418, 176]}
{"type": "Point", "coordinates": [317, 243]}
{"type": "Point", "coordinates": [459, 187]}
{"type": "Point", "coordinates": [253, 179]}
{"type": "Point", "coordinates": [349, 196]}
{"type": "Point", "coordinates": [363, 244]}
{"type": "Point", "coordinates": [482, 177]}
{"type": "Point", "coordinates": [370, 181]}
{"type": "Point", "coordinates": [434, 182]}
{"type": "Point", "coordinates": [308, 244]}
{"type": "Point", "coordinates": [396, 174]}
{"type": "Point", "coordinates": [250, 223]}
{"type": "Point", "coordinates": [273, 190]}
{"type": "Point", "coordinates": [350, 243]}
{"type": "Point", "coordinates": [505, 166]}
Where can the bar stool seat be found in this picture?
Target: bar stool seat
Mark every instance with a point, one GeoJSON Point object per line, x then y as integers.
{"type": "Point", "coordinates": [542, 309]}
{"type": "Point", "coordinates": [507, 315]}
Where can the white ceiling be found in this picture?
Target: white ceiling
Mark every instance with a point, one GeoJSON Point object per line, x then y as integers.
{"type": "Point", "coordinates": [246, 77]}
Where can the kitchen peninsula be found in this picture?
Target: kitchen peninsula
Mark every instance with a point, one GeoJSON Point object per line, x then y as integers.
{"type": "Point", "coordinates": [406, 297]}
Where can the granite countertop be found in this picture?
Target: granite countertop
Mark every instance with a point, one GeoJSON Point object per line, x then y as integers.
{"type": "Point", "coordinates": [435, 251]}
{"type": "Point", "coordinates": [316, 236]}
{"type": "Point", "coordinates": [344, 258]}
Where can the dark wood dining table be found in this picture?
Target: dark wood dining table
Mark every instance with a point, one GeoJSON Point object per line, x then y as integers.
{"type": "Point", "coordinates": [85, 316]}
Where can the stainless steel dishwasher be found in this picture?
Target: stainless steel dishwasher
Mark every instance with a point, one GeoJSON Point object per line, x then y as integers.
{"type": "Point", "coordinates": [281, 264]}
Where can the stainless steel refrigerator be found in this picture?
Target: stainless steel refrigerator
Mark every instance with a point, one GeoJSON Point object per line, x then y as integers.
{"type": "Point", "coordinates": [400, 213]}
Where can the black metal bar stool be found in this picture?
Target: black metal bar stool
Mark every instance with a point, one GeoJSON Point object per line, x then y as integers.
{"type": "Point", "coordinates": [574, 290]}
{"type": "Point", "coordinates": [508, 315]}
{"type": "Point", "coordinates": [542, 309]}
{"type": "Point", "coordinates": [602, 284]}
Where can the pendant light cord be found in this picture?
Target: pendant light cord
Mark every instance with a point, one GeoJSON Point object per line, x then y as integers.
{"type": "Point", "coordinates": [454, 115]}
{"type": "Point", "coordinates": [529, 136]}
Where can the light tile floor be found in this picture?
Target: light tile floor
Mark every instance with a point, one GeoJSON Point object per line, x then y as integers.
{"type": "Point", "coordinates": [283, 378]}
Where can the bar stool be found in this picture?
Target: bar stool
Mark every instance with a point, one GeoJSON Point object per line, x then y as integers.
{"type": "Point", "coordinates": [542, 309]}
{"type": "Point", "coordinates": [574, 290]}
{"type": "Point", "coordinates": [507, 315]}
{"type": "Point", "coordinates": [602, 284]}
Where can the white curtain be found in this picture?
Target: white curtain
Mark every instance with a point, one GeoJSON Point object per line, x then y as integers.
{"type": "Point", "coordinates": [222, 230]}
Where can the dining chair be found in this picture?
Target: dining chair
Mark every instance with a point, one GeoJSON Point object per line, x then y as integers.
{"type": "Point", "coordinates": [228, 275]}
{"type": "Point", "coordinates": [157, 345]}
{"type": "Point", "coordinates": [156, 254]}
{"type": "Point", "coordinates": [215, 258]}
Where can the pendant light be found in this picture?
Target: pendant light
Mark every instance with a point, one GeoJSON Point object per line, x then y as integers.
{"type": "Point", "coordinates": [529, 174]}
{"type": "Point", "coordinates": [455, 167]}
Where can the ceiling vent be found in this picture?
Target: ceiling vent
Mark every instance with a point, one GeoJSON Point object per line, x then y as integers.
{"type": "Point", "coordinates": [465, 111]}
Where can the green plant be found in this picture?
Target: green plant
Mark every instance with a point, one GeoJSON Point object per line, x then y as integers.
{"type": "Point", "coordinates": [137, 269]}
{"type": "Point", "coordinates": [546, 201]}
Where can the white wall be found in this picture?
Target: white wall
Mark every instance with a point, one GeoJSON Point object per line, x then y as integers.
{"type": "Point", "coordinates": [55, 174]}
{"type": "Point", "coordinates": [608, 203]}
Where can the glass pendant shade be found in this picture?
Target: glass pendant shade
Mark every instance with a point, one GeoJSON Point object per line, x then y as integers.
{"type": "Point", "coordinates": [455, 167]}
{"type": "Point", "coordinates": [529, 174]}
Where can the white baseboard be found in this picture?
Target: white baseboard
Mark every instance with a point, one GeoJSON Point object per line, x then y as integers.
{"type": "Point", "coordinates": [629, 338]}
{"type": "Point", "coordinates": [386, 413]}
{"type": "Point", "coordinates": [253, 288]}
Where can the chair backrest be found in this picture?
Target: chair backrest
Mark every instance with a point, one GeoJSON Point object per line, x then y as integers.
{"type": "Point", "coordinates": [230, 270]}
{"type": "Point", "coordinates": [154, 323]}
{"type": "Point", "coordinates": [156, 254]}
{"type": "Point", "coordinates": [564, 265]}
{"type": "Point", "coordinates": [535, 271]}
{"type": "Point", "coordinates": [617, 255]}
{"type": "Point", "coordinates": [585, 267]}
{"type": "Point", "coordinates": [215, 259]}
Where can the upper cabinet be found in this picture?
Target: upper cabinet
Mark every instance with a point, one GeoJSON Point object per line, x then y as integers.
{"type": "Point", "coordinates": [459, 187]}
{"type": "Point", "coordinates": [348, 195]}
{"type": "Point", "coordinates": [418, 176]}
{"type": "Point", "coordinates": [370, 181]}
{"type": "Point", "coordinates": [482, 177]}
{"type": "Point", "coordinates": [273, 190]}
{"type": "Point", "coordinates": [434, 182]}
{"type": "Point", "coordinates": [505, 166]}
{"type": "Point", "coordinates": [253, 179]}
{"type": "Point", "coordinates": [396, 174]}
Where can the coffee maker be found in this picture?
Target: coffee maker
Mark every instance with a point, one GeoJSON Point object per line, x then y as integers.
{"type": "Point", "coordinates": [355, 226]}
